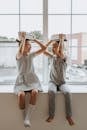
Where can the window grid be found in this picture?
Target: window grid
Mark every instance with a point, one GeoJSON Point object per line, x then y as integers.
{"type": "Point", "coordinates": [58, 14]}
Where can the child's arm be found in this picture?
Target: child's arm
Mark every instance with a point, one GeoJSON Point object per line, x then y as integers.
{"type": "Point", "coordinates": [47, 53]}
{"type": "Point", "coordinates": [21, 46]}
{"type": "Point", "coordinates": [48, 43]}
{"type": "Point", "coordinates": [19, 53]}
{"type": "Point", "coordinates": [60, 52]}
{"type": "Point", "coordinates": [43, 47]}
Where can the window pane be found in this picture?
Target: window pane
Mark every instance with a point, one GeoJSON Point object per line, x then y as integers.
{"type": "Point", "coordinates": [33, 6]}
{"type": "Point", "coordinates": [8, 32]}
{"type": "Point", "coordinates": [59, 24]}
{"type": "Point", "coordinates": [8, 70]}
{"type": "Point", "coordinates": [31, 23]}
{"type": "Point", "coordinates": [79, 23]}
{"type": "Point", "coordinates": [9, 6]}
{"type": "Point", "coordinates": [7, 54]}
{"type": "Point", "coordinates": [77, 70]}
{"type": "Point", "coordinates": [79, 6]}
{"type": "Point", "coordinates": [77, 67]}
{"type": "Point", "coordinates": [38, 64]}
{"type": "Point", "coordinates": [59, 6]}
{"type": "Point", "coordinates": [9, 26]}
{"type": "Point", "coordinates": [79, 43]}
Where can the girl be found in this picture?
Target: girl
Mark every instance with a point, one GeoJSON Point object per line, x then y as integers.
{"type": "Point", "coordinates": [27, 81]}
{"type": "Point", "coordinates": [57, 77]}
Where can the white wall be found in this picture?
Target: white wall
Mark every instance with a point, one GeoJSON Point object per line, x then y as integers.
{"type": "Point", "coordinates": [11, 117]}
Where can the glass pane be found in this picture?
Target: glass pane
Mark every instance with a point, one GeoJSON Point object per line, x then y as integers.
{"type": "Point", "coordinates": [33, 6]}
{"type": "Point", "coordinates": [79, 23]}
{"type": "Point", "coordinates": [77, 59]}
{"type": "Point", "coordinates": [59, 6]}
{"type": "Point", "coordinates": [7, 54]}
{"type": "Point", "coordinates": [77, 70]}
{"type": "Point", "coordinates": [8, 48]}
{"type": "Point", "coordinates": [59, 24]}
{"type": "Point", "coordinates": [8, 70]}
{"type": "Point", "coordinates": [79, 6]}
{"type": "Point", "coordinates": [31, 23]}
{"type": "Point", "coordinates": [9, 26]}
{"type": "Point", "coordinates": [78, 48]}
{"type": "Point", "coordinates": [9, 6]}
{"type": "Point", "coordinates": [38, 64]}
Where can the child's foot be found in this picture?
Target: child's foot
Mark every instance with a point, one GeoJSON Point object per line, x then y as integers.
{"type": "Point", "coordinates": [70, 121]}
{"type": "Point", "coordinates": [26, 120]}
{"type": "Point", "coordinates": [27, 123]}
{"type": "Point", "coordinates": [49, 119]}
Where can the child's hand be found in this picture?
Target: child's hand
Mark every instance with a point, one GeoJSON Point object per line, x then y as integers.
{"type": "Point", "coordinates": [23, 34]}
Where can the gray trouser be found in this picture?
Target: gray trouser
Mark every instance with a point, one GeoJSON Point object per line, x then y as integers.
{"type": "Point", "coordinates": [52, 91]}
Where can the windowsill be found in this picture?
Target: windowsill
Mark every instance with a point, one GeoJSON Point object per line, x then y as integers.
{"type": "Point", "coordinates": [73, 88]}
{"type": "Point", "coordinates": [11, 118]}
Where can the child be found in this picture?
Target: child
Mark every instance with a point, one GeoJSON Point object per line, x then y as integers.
{"type": "Point", "coordinates": [57, 77]}
{"type": "Point", "coordinates": [27, 80]}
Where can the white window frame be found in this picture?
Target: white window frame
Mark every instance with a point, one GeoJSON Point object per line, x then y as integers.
{"type": "Point", "coordinates": [45, 33]}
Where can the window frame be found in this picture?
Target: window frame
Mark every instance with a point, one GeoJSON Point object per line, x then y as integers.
{"type": "Point", "coordinates": [45, 30]}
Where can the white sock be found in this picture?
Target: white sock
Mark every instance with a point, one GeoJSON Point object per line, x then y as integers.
{"type": "Point", "coordinates": [27, 121]}
{"type": "Point", "coordinates": [31, 109]}
{"type": "Point", "coordinates": [26, 112]}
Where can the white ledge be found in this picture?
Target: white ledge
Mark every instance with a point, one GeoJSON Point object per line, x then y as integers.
{"type": "Point", "coordinates": [73, 88]}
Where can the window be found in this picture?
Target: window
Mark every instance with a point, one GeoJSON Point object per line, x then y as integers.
{"type": "Point", "coordinates": [78, 46]}
{"type": "Point", "coordinates": [44, 18]}
{"type": "Point", "coordinates": [79, 7]}
{"type": "Point", "coordinates": [58, 24]}
{"type": "Point", "coordinates": [31, 23]}
{"type": "Point", "coordinates": [9, 7]}
{"type": "Point", "coordinates": [18, 15]}
{"type": "Point", "coordinates": [9, 26]}
{"type": "Point", "coordinates": [70, 17]}
{"type": "Point", "coordinates": [31, 7]}
{"type": "Point", "coordinates": [59, 7]}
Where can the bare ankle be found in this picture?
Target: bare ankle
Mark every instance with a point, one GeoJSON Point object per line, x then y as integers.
{"type": "Point", "coordinates": [49, 119]}
{"type": "Point", "coordinates": [70, 120]}
{"type": "Point", "coordinates": [22, 106]}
